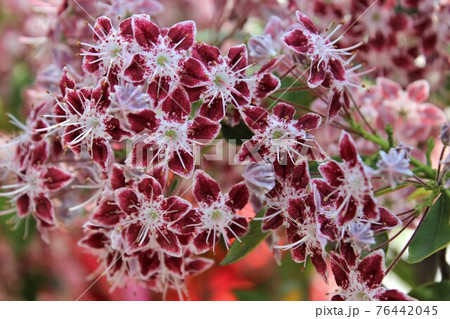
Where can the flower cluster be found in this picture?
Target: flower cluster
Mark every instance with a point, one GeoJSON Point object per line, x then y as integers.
{"type": "Point", "coordinates": [122, 133]}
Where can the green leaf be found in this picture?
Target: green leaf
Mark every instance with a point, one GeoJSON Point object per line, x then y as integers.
{"type": "Point", "coordinates": [434, 234]}
{"type": "Point", "coordinates": [432, 291]}
{"type": "Point", "coordinates": [236, 134]}
{"type": "Point", "coordinates": [248, 242]}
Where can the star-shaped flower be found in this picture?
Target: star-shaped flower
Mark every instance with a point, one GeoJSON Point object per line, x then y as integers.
{"type": "Point", "coordinates": [278, 136]}
{"type": "Point", "coordinates": [168, 139]}
{"type": "Point", "coordinates": [363, 280]}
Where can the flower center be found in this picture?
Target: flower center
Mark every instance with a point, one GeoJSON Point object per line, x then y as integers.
{"type": "Point", "coordinates": [216, 215]}
{"type": "Point", "coordinates": [171, 133]}
{"type": "Point", "coordinates": [162, 60]}
{"type": "Point", "coordinates": [277, 135]}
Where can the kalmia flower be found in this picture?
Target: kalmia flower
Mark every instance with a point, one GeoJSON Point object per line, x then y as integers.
{"type": "Point", "coordinates": [361, 280]}
{"type": "Point", "coordinates": [347, 190]}
{"type": "Point", "coordinates": [304, 235]}
{"type": "Point", "coordinates": [84, 114]}
{"type": "Point", "coordinates": [32, 189]}
{"type": "Point", "coordinates": [394, 166]}
{"type": "Point", "coordinates": [306, 40]}
{"type": "Point", "coordinates": [216, 215]}
{"type": "Point", "coordinates": [279, 135]}
{"type": "Point", "coordinates": [227, 81]}
{"type": "Point", "coordinates": [111, 52]}
{"type": "Point", "coordinates": [291, 182]}
{"type": "Point", "coordinates": [148, 217]}
{"type": "Point", "coordinates": [163, 59]}
{"type": "Point", "coordinates": [168, 139]}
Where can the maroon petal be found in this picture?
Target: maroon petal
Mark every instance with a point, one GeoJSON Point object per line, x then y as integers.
{"type": "Point", "coordinates": [127, 200]}
{"type": "Point", "coordinates": [370, 208]}
{"type": "Point", "coordinates": [44, 209]}
{"type": "Point", "coordinates": [39, 152]}
{"type": "Point", "coordinates": [91, 64]}
{"type": "Point", "coordinates": [149, 263]}
{"type": "Point", "coordinates": [348, 213]}
{"type": "Point", "coordinates": [348, 254]}
{"type": "Point", "coordinates": [266, 85]}
{"type": "Point", "coordinates": [337, 69]}
{"type": "Point", "coordinates": [182, 163]}
{"type": "Point", "coordinates": [182, 35]}
{"type": "Point", "coordinates": [23, 205]}
{"type": "Point", "coordinates": [135, 72]}
{"type": "Point", "coordinates": [55, 178]}
{"type": "Point", "coordinates": [238, 196]}
{"type": "Point", "coordinates": [307, 22]}
{"type": "Point", "coordinates": [203, 129]}
{"type": "Point", "coordinates": [284, 111]}
{"type": "Point", "coordinates": [117, 178]}
{"type": "Point", "coordinates": [298, 41]}
{"type": "Point", "coordinates": [347, 149]}
{"type": "Point", "coordinates": [174, 265]}
{"type": "Point", "coordinates": [158, 89]}
{"type": "Point", "coordinates": [126, 29]}
{"type": "Point", "coordinates": [239, 227]}
{"type": "Point", "coordinates": [201, 244]}
{"type": "Point", "coordinates": [371, 269]}
{"type": "Point", "coordinates": [252, 151]}
{"type": "Point", "coordinates": [387, 220]}
{"type": "Point", "coordinates": [107, 213]}
{"type": "Point", "coordinates": [70, 134]}
{"type": "Point", "coordinates": [176, 106]}
{"type": "Point", "coordinates": [237, 57]}
{"type": "Point", "coordinates": [193, 73]}
{"type": "Point", "coordinates": [214, 110]}
{"type": "Point", "coordinates": [95, 240]}
{"type": "Point", "coordinates": [256, 118]}
{"type": "Point", "coordinates": [132, 237]}
{"type": "Point", "coordinates": [206, 190]}
{"type": "Point", "coordinates": [340, 270]}
{"type": "Point", "coordinates": [175, 208]}
{"type": "Point", "coordinates": [146, 32]}
{"type": "Point", "coordinates": [308, 122]}
{"type": "Point", "coordinates": [299, 176]}
{"type": "Point", "coordinates": [241, 94]}
{"type": "Point", "coordinates": [143, 120]}
{"type": "Point", "coordinates": [272, 223]}
{"type": "Point", "coordinates": [101, 152]}
{"type": "Point", "coordinates": [66, 82]}
{"type": "Point", "coordinates": [150, 188]}
{"type": "Point", "coordinates": [73, 102]}
{"type": "Point", "coordinates": [319, 263]}
{"type": "Point", "coordinates": [187, 224]}
{"type": "Point", "coordinates": [206, 53]}
{"type": "Point", "coordinates": [114, 128]}
{"type": "Point", "coordinates": [338, 101]}
{"type": "Point", "coordinates": [332, 172]}
{"type": "Point", "coordinates": [393, 295]}
{"type": "Point", "coordinates": [317, 74]}
{"type": "Point", "coordinates": [198, 265]}
{"type": "Point", "coordinates": [169, 243]}
{"type": "Point", "coordinates": [102, 28]}
{"type": "Point", "coordinates": [299, 253]}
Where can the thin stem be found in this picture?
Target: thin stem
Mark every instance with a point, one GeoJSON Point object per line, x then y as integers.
{"type": "Point", "coordinates": [395, 261]}
{"type": "Point", "coordinates": [360, 113]}
{"type": "Point", "coordinates": [439, 164]}
{"type": "Point", "coordinates": [396, 235]}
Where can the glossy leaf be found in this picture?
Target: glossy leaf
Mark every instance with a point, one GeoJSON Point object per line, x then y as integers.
{"type": "Point", "coordinates": [434, 234]}
{"type": "Point", "coordinates": [248, 242]}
